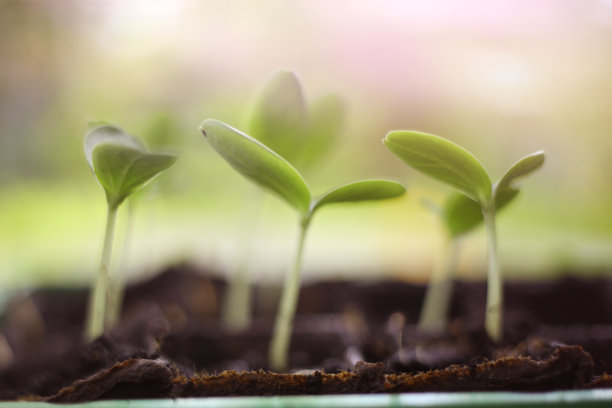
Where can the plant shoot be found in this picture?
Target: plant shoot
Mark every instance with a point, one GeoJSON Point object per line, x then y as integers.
{"type": "Point", "coordinates": [449, 163]}
{"type": "Point", "coordinates": [122, 165]}
{"type": "Point", "coordinates": [270, 171]}
{"type": "Point", "coordinates": [459, 215]}
{"type": "Point", "coordinates": [301, 133]}
{"type": "Point", "coordinates": [285, 122]}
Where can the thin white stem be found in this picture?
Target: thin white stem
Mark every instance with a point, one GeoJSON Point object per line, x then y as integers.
{"type": "Point", "coordinates": [279, 345]}
{"type": "Point", "coordinates": [117, 281]}
{"type": "Point", "coordinates": [434, 313]}
{"type": "Point", "coordinates": [494, 311]}
{"type": "Point", "coordinates": [236, 312]}
{"type": "Point", "coordinates": [98, 299]}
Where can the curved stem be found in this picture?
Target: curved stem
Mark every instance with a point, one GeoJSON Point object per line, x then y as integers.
{"type": "Point", "coordinates": [279, 346]}
{"type": "Point", "coordinates": [94, 326]}
{"type": "Point", "coordinates": [494, 311]}
{"type": "Point", "coordinates": [434, 314]}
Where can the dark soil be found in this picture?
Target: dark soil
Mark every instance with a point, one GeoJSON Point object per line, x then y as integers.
{"type": "Point", "coordinates": [348, 338]}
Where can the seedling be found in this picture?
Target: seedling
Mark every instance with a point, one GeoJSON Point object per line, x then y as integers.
{"type": "Point", "coordinates": [459, 215]}
{"type": "Point", "coordinates": [284, 121]}
{"type": "Point", "coordinates": [161, 129]}
{"type": "Point", "coordinates": [122, 165]}
{"type": "Point", "coordinates": [451, 164]}
{"type": "Point", "coordinates": [269, 170]}
{"type": "Point", "coordinates": [301, 133]}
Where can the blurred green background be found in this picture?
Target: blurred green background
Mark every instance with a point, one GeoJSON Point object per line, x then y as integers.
{"type": "Point", "coordinates": [501, 78]}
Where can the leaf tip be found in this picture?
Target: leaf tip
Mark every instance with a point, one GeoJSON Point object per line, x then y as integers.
{"type": "Point", "coordinates": [397, 136]}
{"type": "Point", "coordinates": [389, 141]}
{"type": "Point", "coordinates": [286, 74]}
{"type": "Point", "coordinates": [206, 126]}
{"type": "Point", "coordinates": [540, 154]}
{"type": "Point", "coordinates": [386, 139]}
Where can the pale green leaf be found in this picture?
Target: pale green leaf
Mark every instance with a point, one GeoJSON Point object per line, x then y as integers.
{"type": "Point", "coordinates": [121, 170]}
{"type": "Point", "coordinates": [361, 191]}
{"type": "Point", "coordinates": [443, 160]}
{"type": "Point", "coordinates": [326, 117]}
{"type": "Point", "coordinates": [504, 197]}
{"type": "Point", "coordinates": [161, 129]}
{"type": "Point", "coordinates": [258, 163]}
{"type": "Point", "coordinates": [108, 134]}
{"type": "Point", "coordinates": [521, 168]}
{"type": "Point", "coordinates": [280, 117]}
{"type": "Point", "coordinates": [462, 214]}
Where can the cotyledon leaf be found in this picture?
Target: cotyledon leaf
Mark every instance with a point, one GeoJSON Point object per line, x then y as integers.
{"type": "Point", "coordinates": [326, 117]}
{"type": "Point", "coordinates": [258, 163]}
{"type": "Point", "coordinates": [280, 117]}
{"type": "Point", "coordinates": [121, 170]}
{"type": "Point", "coordinates": [521, 168]}
{"type": "Point", "coordinates": [443, 160]}
{"type": "Point", "coordinates": [462, 214]}
{"type": "Point", "coordinates": [363, 190]}
{"type": "Point", "coordinates": [108, 134]}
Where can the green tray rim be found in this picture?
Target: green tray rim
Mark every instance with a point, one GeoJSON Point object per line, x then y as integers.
{"type": "Point", "coordinates": [582, 398]}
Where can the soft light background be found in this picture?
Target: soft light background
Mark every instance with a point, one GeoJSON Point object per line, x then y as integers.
{"type": "Point", "coordinates": [501, 78]}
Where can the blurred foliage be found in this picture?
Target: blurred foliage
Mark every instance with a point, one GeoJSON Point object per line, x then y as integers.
{"type": "Point", "coordinates": [500, 78]}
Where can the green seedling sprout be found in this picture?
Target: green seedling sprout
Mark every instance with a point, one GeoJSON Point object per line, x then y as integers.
{"type": "Point", "coordinates": [160, 129]}
{"type": "Point", "coordinates": [122, 165]}
{"type": "Point", "coordinates": [280, 117]}
{"type": "Point", "coordinates": [301, 133]}
{"type": "Point", "coordinates": [459, 215]}
{"type": "Point", "coordinates": [270, 171]}
{"type": "Point", "coordinates": [449, 163]}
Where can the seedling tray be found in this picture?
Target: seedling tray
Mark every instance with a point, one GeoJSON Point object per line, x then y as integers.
{"type": "Point", "coordinates": [585, 398]}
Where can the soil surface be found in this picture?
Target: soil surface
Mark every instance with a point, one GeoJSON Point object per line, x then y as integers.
{"type": "Point", "coordinates": [348, 338]}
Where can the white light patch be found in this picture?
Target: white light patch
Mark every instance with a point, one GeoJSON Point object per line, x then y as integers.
{"type": "Point", "coordinates": [139, 28]}
{"type": "Point", "coordinates": [498, 80]}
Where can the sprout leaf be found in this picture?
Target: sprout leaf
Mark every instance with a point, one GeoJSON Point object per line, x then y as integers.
{"type": "Point", "coordinates": [505, 196]}
{"type": "Point", "coordinates": [280, 117]}
{"type": "Point", "coordinates": [521, 168]}
{"type": "Point", "coordinates": [442, 160]}
{"type": "Point", "coordinates": [107, 134]}
{"type": "Point", "coordinates": [122, 170]}
{"type": "Point", "coordinates": [361, 191]}
{"type": "Point", "coordinates": [326, 117]}
{"type": "Point", "coordinates": [258, 163]}
{"type": "Point", "coordinates": [462, 214]}
{"type": "Point", "coordinates": [121, 162]}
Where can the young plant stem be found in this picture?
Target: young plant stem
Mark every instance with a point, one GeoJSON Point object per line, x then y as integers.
{"type": "Point", "coordinates": [236, 312]}
{"type": "Point", "coordinates": [434, 314]}
{"type": "Point", "coordinates": [279, 346]}
{"type": "Point", "coordinates": [99, 297]}
{"type": "Point", "coordinates": [494, 311]}
{"type": "Point", "coordinates": [117, 281]}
